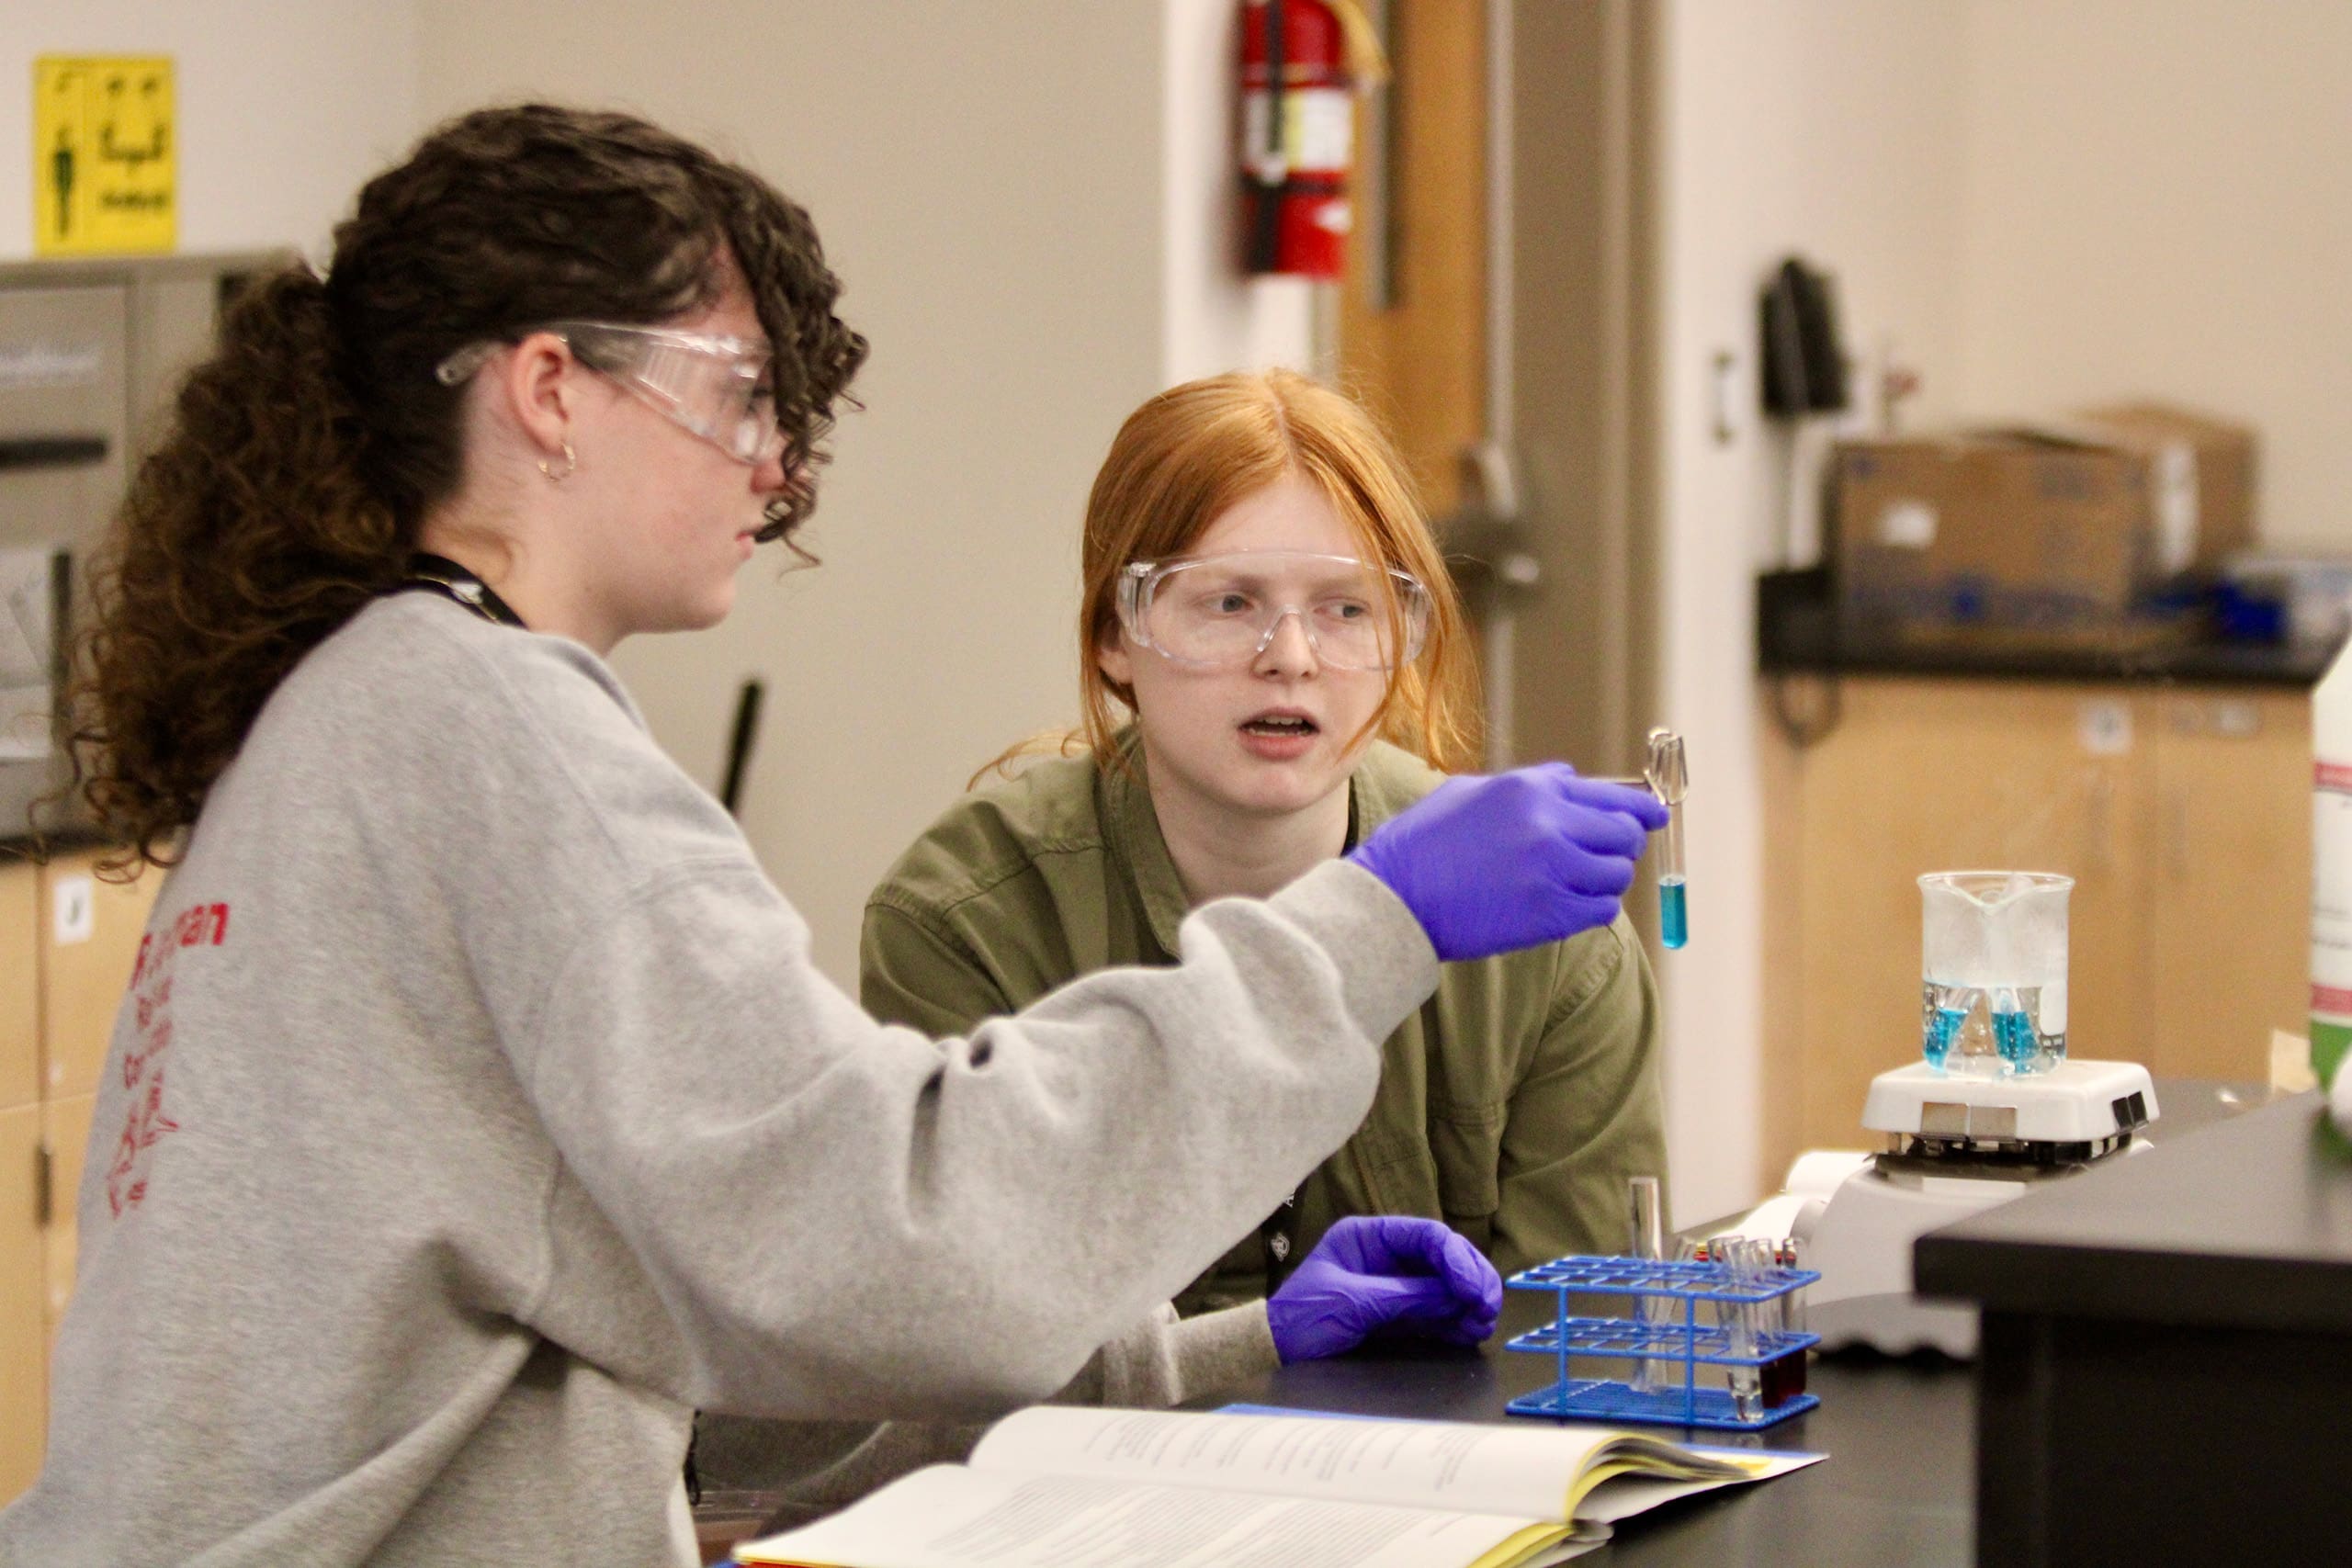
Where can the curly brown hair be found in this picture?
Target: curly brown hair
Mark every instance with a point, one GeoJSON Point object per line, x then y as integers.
{"type": "Point", "coordinates": [304, 454]}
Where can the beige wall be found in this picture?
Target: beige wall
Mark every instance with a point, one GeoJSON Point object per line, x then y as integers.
{"type": "Point", "coordinates": [284, 105]}
{"type": "Point", "coordinates": [1027, 204]}
{"type": "Point", "coordinates": [1020, 201]}
{"type": "Point", "coordinates": [1828, 126]}
{"type": "Point", "coordinates": [2157, 197]}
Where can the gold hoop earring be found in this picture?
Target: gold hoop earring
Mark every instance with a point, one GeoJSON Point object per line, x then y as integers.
{"type": "Point", "coordinates": [571, 461]}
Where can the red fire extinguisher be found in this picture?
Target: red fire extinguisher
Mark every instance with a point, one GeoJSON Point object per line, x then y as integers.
{"type": "Point", "coordinates": [1302, 62]}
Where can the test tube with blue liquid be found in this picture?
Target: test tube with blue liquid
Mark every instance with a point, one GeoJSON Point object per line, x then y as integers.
{"type": "Point", "coordinates": [1669, 776]}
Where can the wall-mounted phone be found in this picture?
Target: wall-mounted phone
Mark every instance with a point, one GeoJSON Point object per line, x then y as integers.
{"type": "Point", "coordinates": [1802, 374]}
{"type": "Point", "coordinates": [1804, 363]}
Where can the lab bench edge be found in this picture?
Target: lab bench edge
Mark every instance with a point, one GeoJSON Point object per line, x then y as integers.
{"type": "Point", "coordinates": [2241, 1224]}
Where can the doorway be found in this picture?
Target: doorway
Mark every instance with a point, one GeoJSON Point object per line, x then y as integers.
{"type": "Point", "coordinates": [1498, 301]}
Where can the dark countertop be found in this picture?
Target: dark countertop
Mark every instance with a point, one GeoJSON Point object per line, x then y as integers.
{"type": "Point", "coordinates": [21, 844]}
{"type": "Point", "coordinates": [1900, 1485]}
{"type": "Point", "coordinates": [1797, 633]}
{"type": "Point", "coordinates": [2246, 1223]}
{"type": "Point", "coordinates": [2228, 664]}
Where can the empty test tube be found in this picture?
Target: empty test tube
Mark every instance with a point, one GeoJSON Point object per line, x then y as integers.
{"type": "Point", "coordinates": [1746, 1261]}
{"type": "Point", "coordinates": [1647, 1226]}
{"type": "Point", "coordinates": [1669, 775]}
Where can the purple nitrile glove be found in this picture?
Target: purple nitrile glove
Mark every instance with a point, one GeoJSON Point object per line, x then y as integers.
{"type": "Point", "coordinates": [1377, 1271]}
{"type": "Point", "coordinates": [1489, 863]}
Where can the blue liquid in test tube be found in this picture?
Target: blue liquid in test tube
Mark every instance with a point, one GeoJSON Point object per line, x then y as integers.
{"type": "Point", "coordinates": [1669, 776]}
{"type": "Point", "coordinates": [1673, 913]}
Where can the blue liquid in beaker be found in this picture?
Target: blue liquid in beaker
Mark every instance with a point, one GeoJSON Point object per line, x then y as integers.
{"type": "Point", "coordinates": [2013, 1032]}
{"type": "Point", "coordinates": [1987, 1031]}
{"type": "Point", "coordinates": [1943, 1027]}
{"type": "Point", "coordinates": [1673, 914]}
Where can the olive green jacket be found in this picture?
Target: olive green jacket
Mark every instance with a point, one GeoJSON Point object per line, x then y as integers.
{"type": "Point", "coordinates": [1513, 1106]}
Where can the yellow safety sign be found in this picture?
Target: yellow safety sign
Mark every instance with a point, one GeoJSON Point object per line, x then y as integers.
{"type": "Point", "coordinates": [104, 156]}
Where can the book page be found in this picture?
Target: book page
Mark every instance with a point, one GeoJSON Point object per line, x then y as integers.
{"type": "Point", "coordinates": [1523, 1471]}
{"type": "Point", "coordinates": [948, 1517]}
{"type": "Point", "coordinates": [1623, 1496]}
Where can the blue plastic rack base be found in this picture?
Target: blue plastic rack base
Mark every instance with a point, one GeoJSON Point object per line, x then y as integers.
{"type": "Point", "coordinates": [1684, 1345]}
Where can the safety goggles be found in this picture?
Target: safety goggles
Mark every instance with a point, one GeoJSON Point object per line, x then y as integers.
{"type": "Point", "coordinates": [712, 386]}
{"type": "Point", "coordinates": [1225, 609]}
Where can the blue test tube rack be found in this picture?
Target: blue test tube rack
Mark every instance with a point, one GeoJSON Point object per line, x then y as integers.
{"type": "Point", "coordinates": [1689, 1342]}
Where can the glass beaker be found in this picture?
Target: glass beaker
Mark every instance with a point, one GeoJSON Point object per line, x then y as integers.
{"type": "Point", "coordinates": [1992, 971]}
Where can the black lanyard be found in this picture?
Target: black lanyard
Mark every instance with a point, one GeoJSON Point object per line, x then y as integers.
{"type": "Point", "coordinates": [439, 574]}
{"type": "Point", "coordinates": [1276, 1240]}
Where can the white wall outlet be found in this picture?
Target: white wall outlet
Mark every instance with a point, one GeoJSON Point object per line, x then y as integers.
{"type": "Point", "coordinates": [75, 910]}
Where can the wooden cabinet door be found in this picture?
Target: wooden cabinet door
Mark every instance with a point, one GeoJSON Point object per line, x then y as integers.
{"type": "Point", "coordinates": [1925, 776]}
{"type": "Point", "coordinates": [2230, 891]}
{"type": "Point", "coordinates": [23, 1342]}
{"type": "Point", "coordinates": [1412, 305]}
{"type": "Point", "coordinates": [89, 936]}
{"type": "Point", "coordinates": [65, 1131]}
{"type": "Point", "coordinates": [19, 983]}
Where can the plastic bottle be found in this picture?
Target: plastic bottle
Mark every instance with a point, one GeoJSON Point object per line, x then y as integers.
{"type": "Point", "coordinates": [2332, 866]}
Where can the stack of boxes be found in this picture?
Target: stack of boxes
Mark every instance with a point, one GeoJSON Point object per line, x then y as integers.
{"type": "Point", "coordinates": [2090, 533]}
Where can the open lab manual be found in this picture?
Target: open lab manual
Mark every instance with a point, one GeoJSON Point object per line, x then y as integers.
{"type": "Point", "coordinates": [1084, 1488]}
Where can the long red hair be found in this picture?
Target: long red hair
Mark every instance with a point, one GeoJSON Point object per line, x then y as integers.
{"type": "Point", "coordinates": [1185, 456]}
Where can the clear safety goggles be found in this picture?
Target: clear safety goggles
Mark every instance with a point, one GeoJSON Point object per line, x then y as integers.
{"type": "Point", "coordinates": [713, 385]}
{"type": "Point", "coordinates": [1225, 609]}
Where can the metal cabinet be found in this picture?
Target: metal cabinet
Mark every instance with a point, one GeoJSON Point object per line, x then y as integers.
{"type": "Point", "coordinates": [88, 355]}
{"type": "Point", "coordinates": [64, 428]}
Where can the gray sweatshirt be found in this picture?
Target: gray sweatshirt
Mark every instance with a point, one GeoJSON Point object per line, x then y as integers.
{"type": "Point", "coordinates": [476, 1112]}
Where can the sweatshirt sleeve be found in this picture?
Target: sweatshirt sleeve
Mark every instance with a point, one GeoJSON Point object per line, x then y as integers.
{"type": "Point", "coordinates": [848, 1218]}
{"type": "Point", "coordinates": [821, 1214]}
{"type": "Point", "coordinates": [910, 975]}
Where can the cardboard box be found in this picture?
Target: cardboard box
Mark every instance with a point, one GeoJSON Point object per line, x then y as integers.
{"type": "Point", "coordinates": [2067, 535]}
{"type": "Point", "coordinates": [2201, 474]}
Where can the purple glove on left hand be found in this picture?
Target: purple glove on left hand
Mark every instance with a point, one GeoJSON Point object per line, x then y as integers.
{"type": "Point", "coordinates": [1373, 1271]}
{"type": "Point", "coordinates": [1512, 859]}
